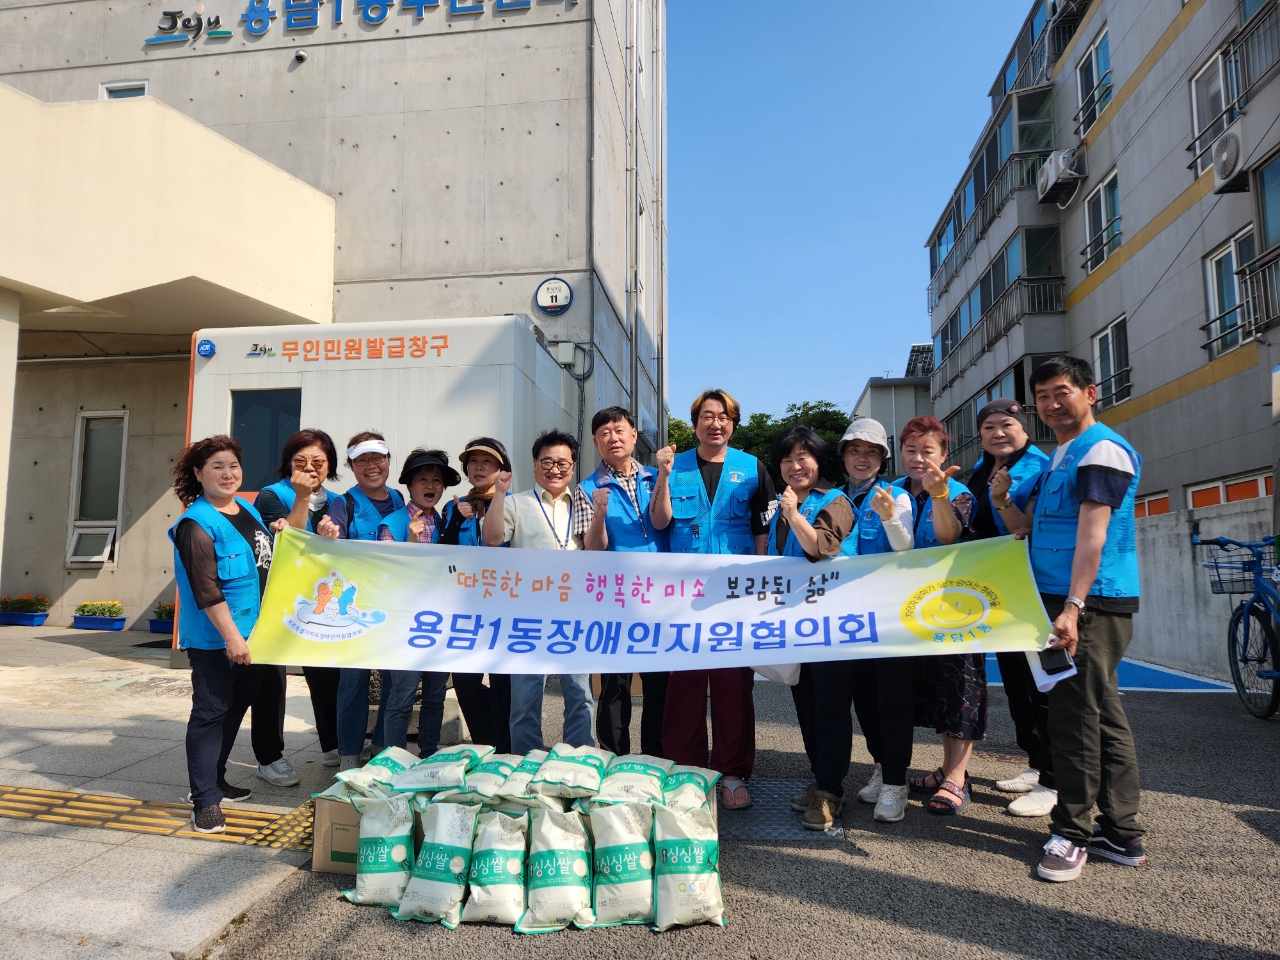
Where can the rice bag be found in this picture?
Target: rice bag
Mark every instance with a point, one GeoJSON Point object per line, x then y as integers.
{"type": "Point", "coordinates": [688, 788]}
{"type": "Point", "coordinates": [558, 874]}
{"type": "Point", "coordinates": [497, 869]}
{"type": "Point", "coordinates": [484, 780]}
{"type": "Point", "coordinates": [622, 875]}
{"type": "Point", "coordinates": [374, 778]}
{"type": "Point", "coordinates": [571, 772]}
{"type": "Point", "coordinates": [385, 856]}
{"type": "Point", "coordinates": [687, 863]}
{"type": "Point", "coordinates": [439, 878]}
{"type": "Point", "coordinates": [444, 770]}
{"type": "Point", "coordinates": [515, 792]}
{"type": "Point", "coordinates": [636, 776]}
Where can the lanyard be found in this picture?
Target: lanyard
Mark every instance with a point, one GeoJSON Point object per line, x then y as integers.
{"type": "Point", "coordinates": [560, 544]}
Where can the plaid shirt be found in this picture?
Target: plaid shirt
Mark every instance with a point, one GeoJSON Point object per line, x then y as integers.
{"type": "Point", "coordinates": [584, 508]}
{"type": "Point", "coordinates": [428, 531]}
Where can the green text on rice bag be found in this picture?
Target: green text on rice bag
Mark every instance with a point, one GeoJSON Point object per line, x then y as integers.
{"type": "Point", "coordinates": [484, 780]}
{"type": "Point", "coordinates": [687, 869]}
{"type": "Point", "coordinates": [439, 879]}
{"type": "Point", "coordinates": [634, 777]}
{"type": "Point", "coordinates": [374, 778]}
{"type": "Point", "coordinates": [385, 850]}
{"type": "Point", "coordinates": [571, 772]}
{"type": "Point", "coordinates": [688, 788]}
{"type": "Point", "coordinates": [496, 877]}
{"type": "Point", "coordinates": [622, 864]}
{"type": "Point", "coordinates": [558, 874]}
{"type": "Point", "coordinates": [444, 770]}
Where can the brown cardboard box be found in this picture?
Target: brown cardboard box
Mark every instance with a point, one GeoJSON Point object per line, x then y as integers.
{"type": "Point", "coordinates": [336, 836]}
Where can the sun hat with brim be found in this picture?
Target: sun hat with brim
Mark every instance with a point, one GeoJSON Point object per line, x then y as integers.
{"type": "Point", "coordinates": [472, 448]}
{"type": "Point", "coordinates": [416, 463]}
{"type": "Point", "coordinates": [868, 430]}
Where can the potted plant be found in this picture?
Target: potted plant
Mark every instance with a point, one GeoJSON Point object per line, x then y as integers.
{"type": "Point", "coordinates": [99, 615]}
{"type": "Point", "coordinates": [28, 610]}
{"type": "Point", "coordinates": [162, 618]}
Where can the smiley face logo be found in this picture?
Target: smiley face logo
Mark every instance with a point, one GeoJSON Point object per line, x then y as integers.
{"type": "Point", "coordinates": [953, 611]}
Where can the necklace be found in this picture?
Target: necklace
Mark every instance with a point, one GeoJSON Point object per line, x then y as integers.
{"type": "Point", "coordinates": [560, 544]}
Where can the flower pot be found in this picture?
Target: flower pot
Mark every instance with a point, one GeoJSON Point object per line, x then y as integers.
{"type": "Point", "coordinates": [81, 622]}
{"type": "Point", "coordinates": [161, 626]}
{"type": "Point", "coordinates": [12, 618]}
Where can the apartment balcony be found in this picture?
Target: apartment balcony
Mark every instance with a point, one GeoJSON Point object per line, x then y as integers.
{"type": "Point", "coordinates": [1048, 48]}
{"type": "Point", "coordinates": [1024, 298]}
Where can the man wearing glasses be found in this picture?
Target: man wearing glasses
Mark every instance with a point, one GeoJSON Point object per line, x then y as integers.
{"type": "Point", "coordinates": [541, 519]}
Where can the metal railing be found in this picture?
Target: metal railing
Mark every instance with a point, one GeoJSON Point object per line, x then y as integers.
{"type": "Point", "coordinates": [1260, 294]}
{"type": "Point", "coordinates": [1101, 245]}
{"type": "Point", "coordinates": [965, 456]}
{"type": "Point", "coordinates": [1052, 41]}
{"type": "Point", "coordinates": [1095, 101]}
{"type": "Point", "coordinates": [1020, 170]}
{"type": "Point", "coordinates": [1114, 389]}
{"type": "Point", "coordinates": [1024, 297]}
{"type": "Point", "coordinates": [1223, 331]}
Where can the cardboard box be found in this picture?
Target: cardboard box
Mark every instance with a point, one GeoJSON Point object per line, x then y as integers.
{"type": "Point", "coordinates": [336, 836]}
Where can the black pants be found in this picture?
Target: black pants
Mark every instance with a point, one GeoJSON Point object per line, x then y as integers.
{"type": "Point", "coordinates": [884, 699]}
{"type": "Point", "coordinates": [487, 710]}
{"type": "Point", "coordinates": [613, 714]}
{"type": "Point", "coordinates": [1030, 711]}
{"type": "Point", "coordinates": [802, 695]}
{"type": "Point", "coordinates": [830, 740]}
{"type": "Point", "coordinates": [654, 686]}
{"type": "Point", "coordinates": [322, 682]}
{"type": "Point", "coordinates": [262, 687]}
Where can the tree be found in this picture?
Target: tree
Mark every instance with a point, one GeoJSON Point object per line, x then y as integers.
{"type": "Point", "coordinates": [756, 436]}
{"type": "Point", "coordinates": [681, 434]}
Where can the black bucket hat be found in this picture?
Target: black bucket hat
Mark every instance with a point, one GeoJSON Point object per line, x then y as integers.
{"type": "Point", "coordinates": [417, 461]}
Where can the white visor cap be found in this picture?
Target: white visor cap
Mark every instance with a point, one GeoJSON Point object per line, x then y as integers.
{"type": "Point", "coordinates": [864, 428]}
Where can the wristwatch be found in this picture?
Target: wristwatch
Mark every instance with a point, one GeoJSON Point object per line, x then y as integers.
{"type": "Point", "coordinates": [1077, 602]}
{"type": "Point", "coordinates": [1008, 502]}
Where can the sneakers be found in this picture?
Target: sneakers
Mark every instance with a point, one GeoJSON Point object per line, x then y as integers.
{"type": "Point", "coordinates": [367, 751]}
{"type": "Point", "coordinates": [871, 792]}
{"type": "Point", "coordinates": [1024, 782]}
{"type": "Point", "coordinates": [278, 774]}
{"type": "Point", "coordinates": [800, 802]}
{"type": "Point", "coordinates": [1062, 860]}
{"type": "Point", "coordinates": [1130, 854]}
{"type": "Point", "coordinates": [229, 793]}
{"type": "Point", "coordinates": [1038, 803]}
{"type": "Point", "coordinates": [892, 803]}
{"type": "Point", "coordinates": [348, 763]}
{"type": "Point", "coordinates": [823, 809]}
{"type": "Point", "coordinates": [329, 758]}
{"type": "Point", "coordinates": [208, 820]}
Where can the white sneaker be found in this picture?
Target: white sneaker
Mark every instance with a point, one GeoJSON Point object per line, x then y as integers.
{"type": "Point", "coordinates": [1038, 803]}
{"type": "Point", "coordinates": [279, 774]}
{"type": "Point", "coordinates": [329, 758]}
{"type": "Point", "coordinates": [1022, 783]}
{"type": "Point", "coordinates": [892, 805]}
{"type": "Point", "coordinates": [871, 792]}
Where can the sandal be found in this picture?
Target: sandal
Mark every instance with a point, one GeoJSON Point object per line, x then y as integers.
{"type": "Point", "coordinates": [941, 804]}
{"type": "Point", "coordinates": [729, 790]}
{"type": "Point", "coordinates": [918, 784]}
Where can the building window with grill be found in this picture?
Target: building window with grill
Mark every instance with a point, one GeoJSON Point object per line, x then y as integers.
{"type": "Point", "coordinates": [1209, 113]}
{"type": "Point", "coordinates": [1093, 81]}
{"type": "Point", "coordinates": [1111, 360]}
{"type": "Point", "coordinates": [1226, 306]}
{"type": "Point", "coordinates": [97, 488]}
{"type": "Point", "coordinates": [1230, 490]}
{"type": "Point", "coordinates": [1102, 223]}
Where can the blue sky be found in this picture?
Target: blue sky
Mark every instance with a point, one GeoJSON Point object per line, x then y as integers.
{"type": "Point", "coordinates": [811, 148]}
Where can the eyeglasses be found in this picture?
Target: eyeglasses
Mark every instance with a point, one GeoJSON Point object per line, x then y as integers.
{"type": "Point", "coordinates": [319, 463]}
{"type": "Point", "coordinates": [370, 460]}
{"type": "Point", "coordinates": [723, 419]}
{"type": "Point", "coordinates": [558, 466]}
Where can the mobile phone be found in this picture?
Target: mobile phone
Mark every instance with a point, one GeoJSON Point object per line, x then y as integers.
{"type": "Point", "coordinates": [1055, 661]}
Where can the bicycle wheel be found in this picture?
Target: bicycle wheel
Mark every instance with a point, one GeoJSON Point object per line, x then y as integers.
{"type": "Point", "coordinates": [1251, 648]}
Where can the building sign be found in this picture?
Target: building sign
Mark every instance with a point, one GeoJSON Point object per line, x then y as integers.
{"type": "Point", "coordinates": [174, 27]}
{"type": "Point", "coordinates": [553, 296]}
{"type": "Point", "coordinates": [206, 348]}
{"type": "Point", "coordinates": [364, 348]}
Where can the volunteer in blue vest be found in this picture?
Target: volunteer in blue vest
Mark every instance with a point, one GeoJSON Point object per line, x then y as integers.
{"type": "Point", "coordinates": [1085, 563]}
{"type": "Point", "coordinates": [713, 499]}
{"type": "Point", "coordinates": [881, 522]}
{"type": "Point", "coordinates": [1004, 482]}
{"type": "Point", "coordinates": [362, 513]}
{"type": "Point", "coordinates": [299, 497]}
{"type": "Point", "coordinates": [611, 512]}
{"type": "Point", "coordinates": [487, 709]}
{"type": "Point", "coordinates": [542, 519]}
{"type": "Point", "coordinates": [222, 553]}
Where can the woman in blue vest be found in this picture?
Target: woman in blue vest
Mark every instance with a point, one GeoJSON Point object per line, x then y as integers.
{"type": "Point", "coordinates": [1004, 482]}
{"type": "Point", "coordinates": [222, 552]}
{"type": "Point", "coordinates": [713, 499]}
{"type": "Point", "coordinates": [300, 499]}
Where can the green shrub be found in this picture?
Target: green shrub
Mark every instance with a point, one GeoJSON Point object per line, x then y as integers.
{"type": "Point", "coordinates": [163, 611]}
{"type": "Point", "coordinates": [100, 608]}
{"type": "Point", "coordinates": [27, 603]}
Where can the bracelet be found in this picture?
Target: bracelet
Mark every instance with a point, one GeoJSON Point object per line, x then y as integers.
{"type": "Point", "coordinates": [1076, 602]}
{"type": "Point", "coordinates": [1008, 502]}
{"type": "Point", "coordinates": [945, 496]}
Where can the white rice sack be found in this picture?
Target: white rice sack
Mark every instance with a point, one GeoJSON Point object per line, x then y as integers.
{"type": "Point", "coordinates": [385, 856]}
{"type": "Point", "coordinates": [622, 875]}
{"type": "Point", "coordinates": [687, 862]}
{"type": "Point", "coordinates": [515, 792]}
{"type": "Point", "coordinates": [558, 874]}
{"type": "Point", "coordinates": [484, 780]}
{"type": "Point", "coordinates": [571, 772]}
{"type": "Point", "coordinates": [440, 871]}
{"type": "Point", "coordinates": [497, 869]}
{"type": "Point", "coordinates": [635, 777]}
{"type": "Point", "coordinates": [688, 788]}
{"type": "Point", "coordinates": [444, 770]}
{"type": "Point", "coordinates": [374, 778]}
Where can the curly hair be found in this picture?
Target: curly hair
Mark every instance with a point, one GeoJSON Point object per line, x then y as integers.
{"type": "Point", "coordinates": [193, 458]}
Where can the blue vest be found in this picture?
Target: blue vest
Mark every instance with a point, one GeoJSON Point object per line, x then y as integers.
{"type": "Point", "coordinates": [628, 532]}
{"type": "Point", "coordinates": [1024, 475]}
{"type": "Point", "coordinates": [814, 504]}
{"type": "Point", "coordinates": [469, 533]}
{"type": "Point", "coordinates": [701, 526]}
{"type": "Point", "coordinates": [869, 529]}
{"type": "Point", "coordinates": [1053, 532]}
{"type": "Point", "coordinates": [398, 523]}
{"type": "Point", "coordinates": [283, 489]}
{"type": "Point", "coordinates": [364, 525]}
{"type": "Point", "coordinates": [925, 536]}
{"type": "Point", "coordinates": [237, 575]}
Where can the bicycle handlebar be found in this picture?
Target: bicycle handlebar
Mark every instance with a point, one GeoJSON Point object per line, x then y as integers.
{"type": "Point", "coordinates": [1225, 541]}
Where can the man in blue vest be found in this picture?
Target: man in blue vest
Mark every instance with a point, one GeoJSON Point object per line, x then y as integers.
{"type": "Point", "coordinates": [611, 512]}
{"type": "Point", "coordinates": [1086, 566]}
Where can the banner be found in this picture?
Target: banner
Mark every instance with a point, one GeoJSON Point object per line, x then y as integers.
{"type": "Point", "coordinates": [402, 606]}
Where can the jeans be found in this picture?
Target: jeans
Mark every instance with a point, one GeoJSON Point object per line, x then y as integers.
{"type": "Point", "coordinates": [353, 712]}
{"type": "Point", "coordinates": [526, 710]}
{"type": "Point", "coordinates": [398, 689]}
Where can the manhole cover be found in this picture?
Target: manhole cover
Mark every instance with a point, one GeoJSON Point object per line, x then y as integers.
{"type": "Point", "coordinates": [770, 816]}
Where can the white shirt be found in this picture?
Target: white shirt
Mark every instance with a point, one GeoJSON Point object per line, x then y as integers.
{"type": "Point", "coordinates": [1104, 453]}
{"type": "Point", "coordinates": [534, 520]}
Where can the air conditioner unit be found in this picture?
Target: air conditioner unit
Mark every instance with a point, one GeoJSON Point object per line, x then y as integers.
{"type": "Point", "coordinates": [1060, 175]}
{"type": "Point", "coordinates": [1229, 173]}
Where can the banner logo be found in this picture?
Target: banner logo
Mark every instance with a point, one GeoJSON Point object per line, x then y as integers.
{"type": "Point", "coordinates": [331, 614]}
{"type": "Point", "coordinates": [953, 610]}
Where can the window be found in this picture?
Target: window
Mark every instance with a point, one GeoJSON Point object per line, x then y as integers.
{"type": "Point", "coordinates": [1152, 505]}
{"type": "Point", "coordinates": [1230, 490]}
{"type": "Point", "coordinates": [119, 91]}
{"type": "Point", "coordinates": [1001, 388]}
{"type": "Point", "coordinates": [1011, 73]}
{"type": "Point", "coordinates": [946, 239]}
{"type": "Point", "coordinates": [1093, 80]}
{"type": "Point", "coordinates": [97, 487]}
{"type": "Point", "coordinates": [1249, 7]}
{"type": "Point", "coordinates": [968, 199]}
{"type": "Point", "coordinates": [1038, 18]}
{"type": "Point", "coordinates": [1043, 256]}
{"type": "Point", "coordinates": [1035, 121]}
{"type": "Point", "coordinates": [1208, 111]}
{"type": "Point", "coordinates": [262, 420]}
{"type": "Point", "coordinates": [1005, 136]}
{"type": "Point", "coordinates": [1111, 360]}
{"type": "Point", "coordinates": [1224, 293]}
{"type": "Point", "coordinates": [1102, 223]}
{"type": "Point", "coordinates": [1269, 204]}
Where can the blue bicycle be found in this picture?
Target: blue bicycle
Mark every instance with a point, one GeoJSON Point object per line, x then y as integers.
{"type": "Point", "coordinates": [1249, 568]}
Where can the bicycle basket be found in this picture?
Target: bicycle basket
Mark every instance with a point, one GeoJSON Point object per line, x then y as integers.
{"type": "Point", "coordinates": [1231, 573]}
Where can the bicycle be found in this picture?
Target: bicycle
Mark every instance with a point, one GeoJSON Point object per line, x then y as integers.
{"type": "Point", "coordinates": [1252, 649]}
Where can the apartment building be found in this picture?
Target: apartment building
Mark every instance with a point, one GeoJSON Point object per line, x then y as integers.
{"type": "Point", "coordinates": [1122, 204]}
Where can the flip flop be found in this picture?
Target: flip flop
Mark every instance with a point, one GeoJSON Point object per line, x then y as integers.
{"type": "Point", "coordinates": [729, 790]}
